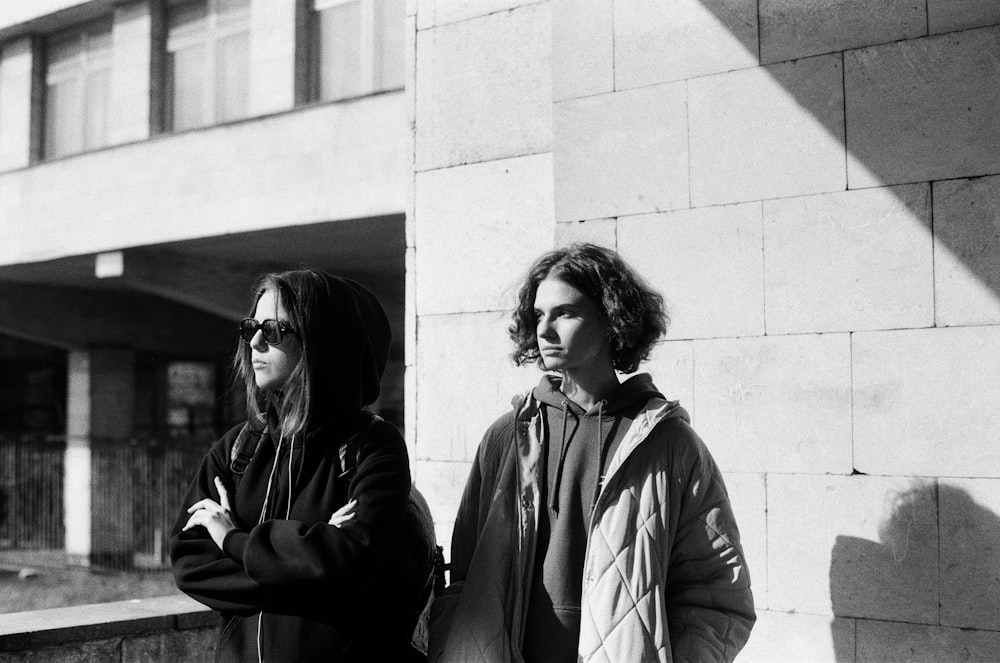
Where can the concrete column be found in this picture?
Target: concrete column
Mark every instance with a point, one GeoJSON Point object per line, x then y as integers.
{"type": "Point", "coordinates": [100, 413]}
{"type": "Point", "coordinates": [76, 477]}
{"type": "Point", "coordinates": [130, 73]}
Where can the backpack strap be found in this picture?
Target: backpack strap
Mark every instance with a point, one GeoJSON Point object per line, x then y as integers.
{"type": "Point", "coordinates": [247, 442]}
{"type": "Point", "coordinates": [440, 566]}
{"type": "Point", "coordinates": [349, 452]}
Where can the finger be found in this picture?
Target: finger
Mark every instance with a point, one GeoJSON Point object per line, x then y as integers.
{"type": "Point", "coordinates": [345, 509]}
{"type": "Point", "coordinates": [203, 504]}
{"type": "Point", "coordinates": [337, 521]}
{"type": "Point", "coordinates": [223, 494]}
{"type": "Point", "coordinates": [193, 521]}
{"type": "Point", "coordinates": [338, 518]}
{"type": "Point", "coordinates": [200, 504]}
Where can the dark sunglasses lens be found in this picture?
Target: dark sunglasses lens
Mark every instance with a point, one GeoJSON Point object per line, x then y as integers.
{"type": "Point", "coordinates": [248, 328]}
{"type": "Point", "coordinates": [270, 328]}
{"type": "Point", "coordinates": [272, 331]}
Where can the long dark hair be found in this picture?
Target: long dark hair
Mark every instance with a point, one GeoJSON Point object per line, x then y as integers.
{"type": "Point", "coordinates": [636, 315]}
{"type": "Point", "coordinates": [344, 335]}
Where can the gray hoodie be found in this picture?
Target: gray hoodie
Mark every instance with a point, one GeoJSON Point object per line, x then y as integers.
{"type": "Point", "coordinates": [577, 446]}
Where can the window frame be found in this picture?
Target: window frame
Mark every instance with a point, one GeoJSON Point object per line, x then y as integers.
{"type": "Point", "coordinates": [217, 27]}
{"type": "Point", "coordinates": [88, 56]}
{"type": "Point", "coordinates": [369, 78]}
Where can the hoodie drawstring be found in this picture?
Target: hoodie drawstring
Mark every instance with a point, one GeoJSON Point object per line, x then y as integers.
{"type": "Point", "coordinates": [288, 507]}
{"type": "Point", "coordinates": [263, 514]}
{"type": "Point", "coordinates": [270, 481]}
{"type": "Point", "coordinates": [602, 450]}
{"type": "Point", "coordinates": [554, 499]}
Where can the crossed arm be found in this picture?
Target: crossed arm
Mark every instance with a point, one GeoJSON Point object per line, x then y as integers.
{"type": "Point", "coordinates": [217, 517]}
{"type": "Point", "coordinates": [220, 562]}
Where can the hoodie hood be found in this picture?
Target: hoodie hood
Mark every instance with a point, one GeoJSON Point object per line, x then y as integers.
{"type": "Point", "coordinates": [630, 395]}
{"type": "Point", "coordinates": [601, 427]}
{"type": "Point", "coordinates": [349, 367]}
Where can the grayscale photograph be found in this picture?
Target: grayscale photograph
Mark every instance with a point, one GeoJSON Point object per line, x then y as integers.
{"type": "Point", "coordinates": [499, 331]}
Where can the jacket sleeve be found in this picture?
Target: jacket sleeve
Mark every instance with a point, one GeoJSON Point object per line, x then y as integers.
{"type": "Point", "coordinates": [266, 567]}
{"type": "Point", "coordinates": [465, 534]}
{"type": "Point", "coordinates": [288, 556]}
{"type": "Point", "coordinates": [469, 520]}
{"type": "Point", "coordinates": [203, 571]}
{"type": "Point", "coordinates": [710, 607]}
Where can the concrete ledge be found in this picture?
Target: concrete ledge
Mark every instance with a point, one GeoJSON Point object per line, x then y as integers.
{"type": "Point", "coordinates": [102, 621]}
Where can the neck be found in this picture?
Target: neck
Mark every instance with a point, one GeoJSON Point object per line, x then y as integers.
{"type": "Point", "coordinates": [587, 389]}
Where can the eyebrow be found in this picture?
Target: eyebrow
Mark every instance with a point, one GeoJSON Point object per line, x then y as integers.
{"type": "Point", "coordinates": [565, 306]}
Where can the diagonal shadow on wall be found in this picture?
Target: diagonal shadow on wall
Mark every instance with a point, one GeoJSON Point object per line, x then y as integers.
{"type": "Point", "coordinates": [918, 108]}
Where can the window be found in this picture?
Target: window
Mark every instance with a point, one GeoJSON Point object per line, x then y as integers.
{"type": "Point", "coordinates": [78, 90]}
{"type": "Point", "coordinates": [207, 67]}
{"type": "Point", "coordinates": [191, 399]}
{"type": "Point", "coordinates": [357, 47]}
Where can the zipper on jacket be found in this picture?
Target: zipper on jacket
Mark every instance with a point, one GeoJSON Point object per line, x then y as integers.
{"type": "Point", "coordinates": [522, 437]}
{"type": "Point", "coordinates": [645, 427]}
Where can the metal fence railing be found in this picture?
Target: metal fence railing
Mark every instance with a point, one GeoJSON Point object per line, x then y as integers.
{"type": "Point", "coordinates": [136, 490]}
{"type": "Point", "coordinates": [139, 496]}
{"type": "Point", "coordinates": [31, 492]}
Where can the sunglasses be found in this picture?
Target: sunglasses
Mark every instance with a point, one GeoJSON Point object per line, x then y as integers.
{"type": "Point", "coordinates": [273, 330]}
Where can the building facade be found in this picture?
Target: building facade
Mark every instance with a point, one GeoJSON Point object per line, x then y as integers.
{"type": "Point", "coordinates": [156, 157]}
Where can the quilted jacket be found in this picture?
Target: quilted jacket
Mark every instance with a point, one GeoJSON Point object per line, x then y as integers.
{"type": "Point", "coordinates": [664, 577]}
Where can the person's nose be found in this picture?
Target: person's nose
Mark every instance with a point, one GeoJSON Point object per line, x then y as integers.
{"type": "Point", "coordinates": [545, 329]}
{"type": "Point", "coordinates": [257, 342]}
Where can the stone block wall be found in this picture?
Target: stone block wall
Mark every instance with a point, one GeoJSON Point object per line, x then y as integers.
{"type": "Point", "coordinates": [481, 208]}
{"type": "Point", "coordinates": [169, 629]}
{"type": "Point", "coordinates": [815, 188]}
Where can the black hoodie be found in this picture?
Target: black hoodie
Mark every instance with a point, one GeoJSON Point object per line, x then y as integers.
{"type": "Point", "coordinates": [577, 446]}
{"type": "Point", "coordinates": [291, 587]}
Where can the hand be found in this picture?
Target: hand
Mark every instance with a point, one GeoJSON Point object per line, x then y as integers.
{"type": "Point", "coordinates": [343, 514]}
{"type": "Point", "coordinates": [214, 516]}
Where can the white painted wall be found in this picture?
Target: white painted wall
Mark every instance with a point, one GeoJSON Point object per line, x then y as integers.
{"type": "Point", "coordinates": [330, 162]}
{"type": "Point", "coordinates": [15, 12]}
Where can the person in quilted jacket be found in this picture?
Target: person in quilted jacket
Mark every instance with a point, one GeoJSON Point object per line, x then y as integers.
{"type": "Point", "coordinates": [595, 525]}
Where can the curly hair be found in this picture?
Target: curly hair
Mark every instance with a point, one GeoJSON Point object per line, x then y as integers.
{"type": "Point", "coordinates": [636, 315]}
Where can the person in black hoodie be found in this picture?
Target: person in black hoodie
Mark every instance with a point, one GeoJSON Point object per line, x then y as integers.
{"type": "Point", "coordinates": [300, 527]}
{"type": "Point", "coordinates": [594, 525]}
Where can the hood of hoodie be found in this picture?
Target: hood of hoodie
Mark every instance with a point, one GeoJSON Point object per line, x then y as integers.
{"type": "Point", "coordinates": [348, 368]}
{"type": "Point", "coordinates": [628, 396]}
{"type": "Point", "coordinates": [597, 432]}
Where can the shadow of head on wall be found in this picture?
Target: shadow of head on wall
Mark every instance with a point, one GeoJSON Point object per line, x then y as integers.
{"type": "Point", "coordinates": [936, 564]}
